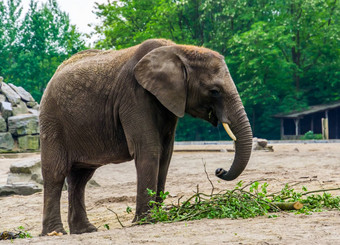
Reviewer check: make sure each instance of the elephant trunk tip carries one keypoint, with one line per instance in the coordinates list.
(223, 174)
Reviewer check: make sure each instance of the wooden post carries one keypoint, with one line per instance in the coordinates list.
(297, 130)
(326, 129)
(326, 125)
(325, 133)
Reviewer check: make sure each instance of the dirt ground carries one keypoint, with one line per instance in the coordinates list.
(316, 166)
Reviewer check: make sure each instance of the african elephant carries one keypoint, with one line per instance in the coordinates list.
(105, 107)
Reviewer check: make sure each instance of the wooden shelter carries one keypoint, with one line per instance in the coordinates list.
(320, 119)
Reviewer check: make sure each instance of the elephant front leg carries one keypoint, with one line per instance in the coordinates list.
(163, 168)
(147, 176)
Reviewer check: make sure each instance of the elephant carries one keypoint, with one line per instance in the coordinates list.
(109, 106)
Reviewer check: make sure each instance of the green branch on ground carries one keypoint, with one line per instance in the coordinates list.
(244, 201)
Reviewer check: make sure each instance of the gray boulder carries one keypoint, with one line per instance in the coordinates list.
(26, 167)
(28, 142)
(25, 96)
(262, 142)
(6, 109)
(20, 108)
(6, 142)
(3, 124)
(261, 145)
(33, 111)
(31, 104)
(19, 189)
(24, 178)
(2, 98)
(11, 95)
(23, 125)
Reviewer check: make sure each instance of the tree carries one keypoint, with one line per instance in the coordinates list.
(283, 55)
(37, 44)
(289, 61)
(129, 22)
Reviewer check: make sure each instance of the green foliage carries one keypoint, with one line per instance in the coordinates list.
(312, 203)
(311, 136)
(129, 22)
(23, 233)
(106, 226)
(238, 203)
(283, 55)
(31, 48)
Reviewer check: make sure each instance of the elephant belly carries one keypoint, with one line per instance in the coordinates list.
(96, 149)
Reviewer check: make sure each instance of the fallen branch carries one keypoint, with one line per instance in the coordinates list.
(288, 205)
(323, 190)
(116, 217)
(206, 173)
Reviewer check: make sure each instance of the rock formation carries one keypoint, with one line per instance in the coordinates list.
(261, 145)
(19, 128)
(24, 178)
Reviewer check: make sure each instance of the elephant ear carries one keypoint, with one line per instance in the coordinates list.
(163, 74)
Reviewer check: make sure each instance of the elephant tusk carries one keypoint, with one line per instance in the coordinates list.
(229, 132)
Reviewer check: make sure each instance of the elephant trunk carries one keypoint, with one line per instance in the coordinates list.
(240, 126)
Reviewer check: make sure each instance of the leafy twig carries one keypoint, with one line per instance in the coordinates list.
(316, 191)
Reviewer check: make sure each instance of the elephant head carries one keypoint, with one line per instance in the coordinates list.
(195, 80)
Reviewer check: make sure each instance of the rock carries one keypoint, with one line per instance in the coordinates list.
(26, 167)
(3, 124)
(28, 142)
(19, 109)
(6, 142)
(262, 142)
(36, 107)
(31, 104)
(6, 109)
(11, 95)
(2, 98)
(24, 178)
(25, 96)
(269, 148)
(33, 111)
(19, 189)
(23, 125)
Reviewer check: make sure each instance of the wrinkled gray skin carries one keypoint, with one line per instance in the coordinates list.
(105, 107)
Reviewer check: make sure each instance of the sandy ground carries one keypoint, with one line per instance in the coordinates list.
(316, 166)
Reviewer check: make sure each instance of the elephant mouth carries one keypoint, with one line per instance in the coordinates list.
(212, 118)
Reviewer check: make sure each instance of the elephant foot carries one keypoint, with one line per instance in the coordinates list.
(57, 228)
(83, 228)
(143, 218)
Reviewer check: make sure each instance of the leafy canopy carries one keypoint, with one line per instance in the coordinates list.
(32, 46)
(283, 55)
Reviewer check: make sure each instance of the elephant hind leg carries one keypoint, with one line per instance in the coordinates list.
(77, 216)
(51, 213)
(54, 171)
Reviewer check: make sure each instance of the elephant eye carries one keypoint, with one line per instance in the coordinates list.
(214, 92)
